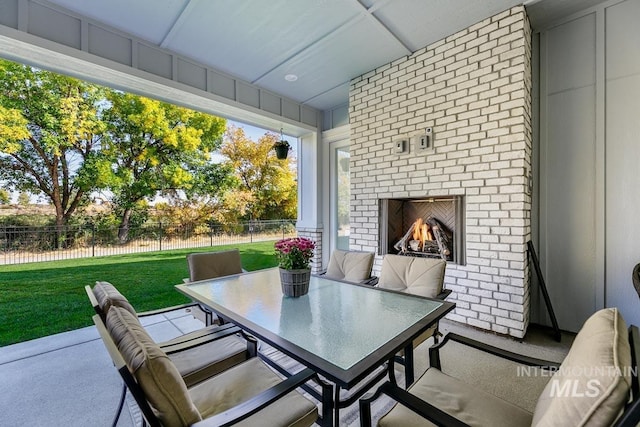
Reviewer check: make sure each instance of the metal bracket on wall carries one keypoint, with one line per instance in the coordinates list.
(543, 288)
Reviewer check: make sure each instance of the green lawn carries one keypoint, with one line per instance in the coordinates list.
(45, 298)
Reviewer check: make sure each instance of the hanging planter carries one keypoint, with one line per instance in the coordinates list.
(282, 149)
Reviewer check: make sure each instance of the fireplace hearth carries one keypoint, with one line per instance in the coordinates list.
(425, 227)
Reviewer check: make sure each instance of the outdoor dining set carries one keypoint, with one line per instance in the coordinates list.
(345, 337)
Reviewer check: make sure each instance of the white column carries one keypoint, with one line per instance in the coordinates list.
(310, 167)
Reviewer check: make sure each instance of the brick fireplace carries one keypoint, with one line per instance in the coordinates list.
(471, 92)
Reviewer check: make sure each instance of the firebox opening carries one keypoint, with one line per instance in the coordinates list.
(425, 227)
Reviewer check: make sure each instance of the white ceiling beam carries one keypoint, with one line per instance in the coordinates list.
(369, 12)
(178, 23)
(306, 101)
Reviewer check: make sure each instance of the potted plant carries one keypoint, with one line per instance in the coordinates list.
(282, 148)
(294, 255)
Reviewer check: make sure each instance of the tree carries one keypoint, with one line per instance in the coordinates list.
(24, 199)
(156, 147)
(50, 135)
(5, 197)
(266, 187)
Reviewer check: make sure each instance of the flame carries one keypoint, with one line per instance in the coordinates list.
(425, 234)
(417, 229)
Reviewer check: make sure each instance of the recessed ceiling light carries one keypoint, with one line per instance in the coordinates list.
(291, 77)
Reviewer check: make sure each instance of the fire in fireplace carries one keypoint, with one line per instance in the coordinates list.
(428, 238)
(429, 227)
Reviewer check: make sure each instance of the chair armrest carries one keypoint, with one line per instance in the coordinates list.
(444, 294)
(371, 281)
(420, 407)
(202, 332)
(246, 409)
(434, 352)
(211, 334)
(93, 300)
(166, 309)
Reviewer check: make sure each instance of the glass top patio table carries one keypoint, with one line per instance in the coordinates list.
(340, 329)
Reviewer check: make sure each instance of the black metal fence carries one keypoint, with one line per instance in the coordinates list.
(19, 244)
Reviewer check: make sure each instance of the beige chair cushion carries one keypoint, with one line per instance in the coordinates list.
(107, 296)
(196, 364)
(209, 265)
(163, 386)
(459, 399)
(351, 266)
(245, 381)
(413, 275)
(592, 384)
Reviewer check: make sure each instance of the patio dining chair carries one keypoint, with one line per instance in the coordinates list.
(197, 355)
(250, 392)
(350, 266)
(596, 385)
(209, 265)
(417, 276)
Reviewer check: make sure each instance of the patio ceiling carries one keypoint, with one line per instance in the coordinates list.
(325, 43)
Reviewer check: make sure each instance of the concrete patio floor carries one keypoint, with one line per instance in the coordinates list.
(68, 379)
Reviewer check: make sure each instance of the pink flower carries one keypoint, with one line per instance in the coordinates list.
(294, 252)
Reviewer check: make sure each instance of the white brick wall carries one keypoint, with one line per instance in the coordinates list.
(316, 236)
(474, 89)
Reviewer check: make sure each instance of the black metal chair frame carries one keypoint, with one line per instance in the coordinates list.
(404, 360)
(630, 416)
(195, 339)
(226, 418)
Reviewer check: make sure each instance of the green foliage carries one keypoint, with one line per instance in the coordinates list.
(30, 220)
(65, 138)
(155, 147)
(5, 197)
(23, 199)
(57, 288)
(266, 187)
(211, 182)
(49, 125)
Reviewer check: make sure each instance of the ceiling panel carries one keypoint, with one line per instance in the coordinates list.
(149, 20)
(419, 23)
(325, 43)
(347, 53)
(248, 38)
(327, 100)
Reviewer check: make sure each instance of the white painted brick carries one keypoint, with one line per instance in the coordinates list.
(479, 323)
(484, 294)
(456, 317)
(509, 323)
(473, 88)
(469, 314)
(499, 313)
(500, 329)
